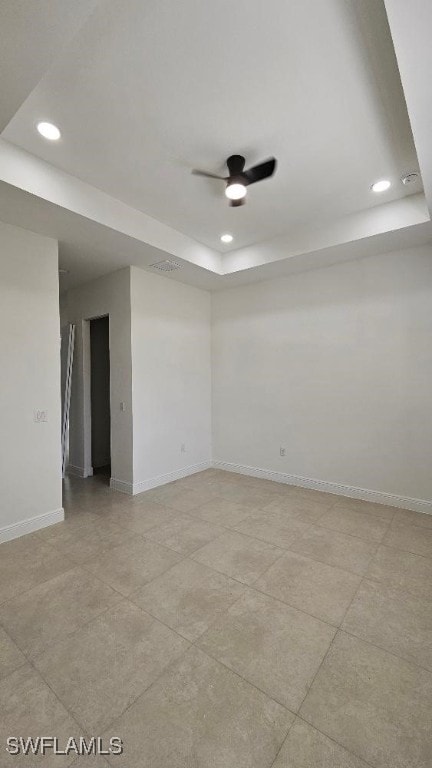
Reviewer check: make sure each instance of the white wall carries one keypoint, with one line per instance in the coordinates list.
(30, 455)
(171, 372)
(109, 295)
(335, 365)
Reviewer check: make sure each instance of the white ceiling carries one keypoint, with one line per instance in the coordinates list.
(33, 34)
(145, 91)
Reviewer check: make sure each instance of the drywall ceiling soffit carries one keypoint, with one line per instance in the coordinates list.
(323, 94)
(98, 234)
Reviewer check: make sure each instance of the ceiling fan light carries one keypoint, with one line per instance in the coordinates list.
(235, 191)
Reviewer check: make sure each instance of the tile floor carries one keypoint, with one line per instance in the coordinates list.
(221, 621)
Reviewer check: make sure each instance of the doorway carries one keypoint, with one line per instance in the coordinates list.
(100, 396)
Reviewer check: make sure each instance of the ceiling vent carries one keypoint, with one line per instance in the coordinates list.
(409, 178)
(166, 266)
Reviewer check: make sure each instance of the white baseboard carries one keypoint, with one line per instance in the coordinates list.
(377, 497)
(154, 482)
(121, 485)
(71, 469)
(15, 530)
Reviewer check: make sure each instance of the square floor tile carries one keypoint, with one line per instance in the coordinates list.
(378, 510)
(410, 538)
(238, 556)
(85, 503)
(26, 562)
(197, 481)
(29, 709)
(309, 494)
(409, 517)
(141, 517)
(223, 512)
(127, 503)
(129, 566)
(412, 573)
(221, 487)
(185, 534)
(84, 543)
(64, 531)
(277, 528)
(306, 747)
(335, 548)
(252, 496)
(362, 524)
(200, 714)
(375, 704)
(10, 655)
(394, 620)
(303, 508)
(54, 609)
(104, 502)
(183, 499)
(106, 665)
(270, 644)
(92, 761)
(316, 588)
(76, 522)
(189, 597)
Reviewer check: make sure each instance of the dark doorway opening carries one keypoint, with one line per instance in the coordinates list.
(100, 396)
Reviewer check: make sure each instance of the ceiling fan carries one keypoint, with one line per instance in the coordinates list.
(239, 179)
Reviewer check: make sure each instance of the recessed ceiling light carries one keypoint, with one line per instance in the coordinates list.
(227, 238)
(48, 131)
(381, 186)
(235, 191)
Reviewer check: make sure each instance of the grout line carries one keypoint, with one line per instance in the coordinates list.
(58, 639)
(331, 738)
(316, 523)
(408, 551)
(163, 671)
(80, 728)
(244, 679)
(332, 642)
(22, 664)
(38, 584)
(386, 650)
(283, 742)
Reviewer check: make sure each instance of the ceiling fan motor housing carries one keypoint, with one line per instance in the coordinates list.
(236, 164)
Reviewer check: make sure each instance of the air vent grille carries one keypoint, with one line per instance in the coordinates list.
(166, 266)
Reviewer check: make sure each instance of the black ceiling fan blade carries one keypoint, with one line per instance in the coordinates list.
(196, 172)
(260, 172)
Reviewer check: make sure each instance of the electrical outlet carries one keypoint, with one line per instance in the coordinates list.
(39, 416)
(183, 448)
(122, 407)
(282, 451)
